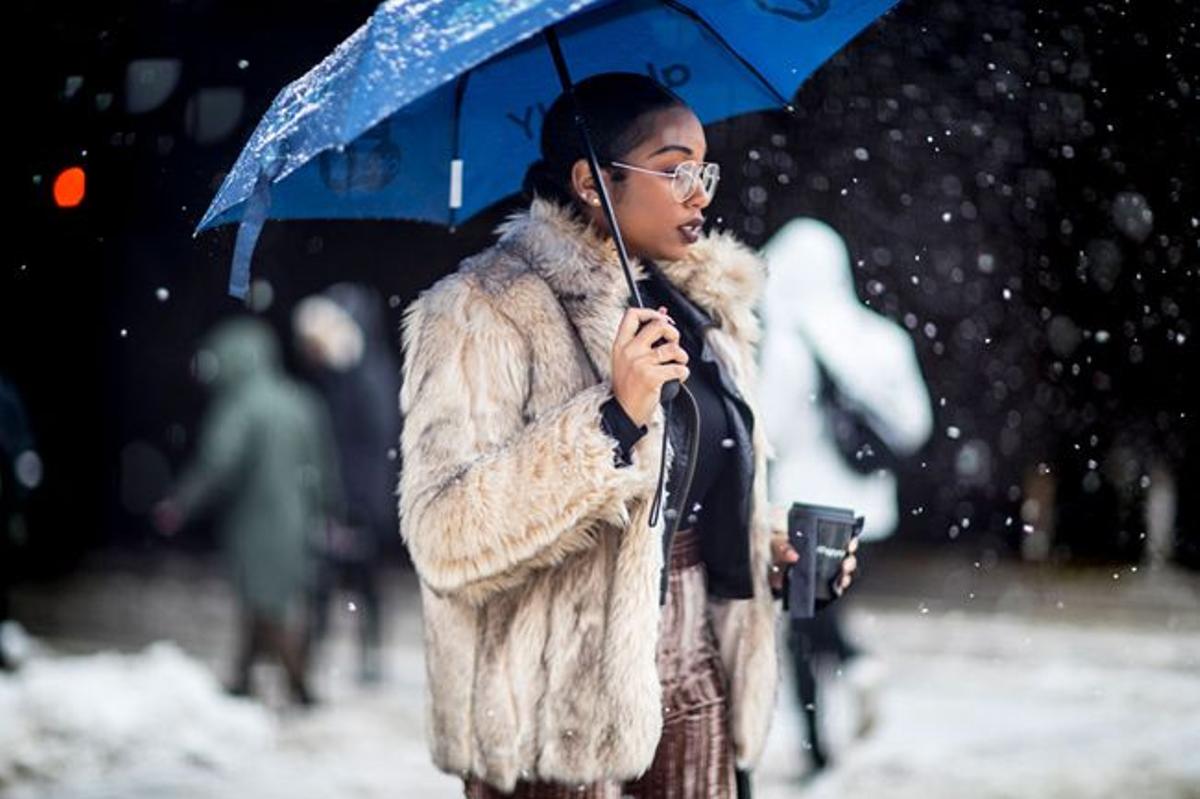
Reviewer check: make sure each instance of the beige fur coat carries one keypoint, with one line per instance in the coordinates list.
(539, 570)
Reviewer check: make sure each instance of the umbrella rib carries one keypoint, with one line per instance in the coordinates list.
(460, 89)
(702, 22)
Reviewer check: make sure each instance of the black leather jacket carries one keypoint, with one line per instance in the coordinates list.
(725, 531)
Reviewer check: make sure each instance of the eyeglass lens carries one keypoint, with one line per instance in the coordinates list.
(690, 174)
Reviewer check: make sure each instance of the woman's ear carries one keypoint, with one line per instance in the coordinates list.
(583, 185)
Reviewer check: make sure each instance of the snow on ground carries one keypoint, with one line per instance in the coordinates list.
(71, 723)
(998, 707)
(980, 704)
(158, 724)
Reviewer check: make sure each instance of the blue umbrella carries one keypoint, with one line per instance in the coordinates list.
(432, 110)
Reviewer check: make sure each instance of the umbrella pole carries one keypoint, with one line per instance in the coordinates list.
(568, 86)
(672, 388)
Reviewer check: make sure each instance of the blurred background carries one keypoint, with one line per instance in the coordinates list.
(1005, 191)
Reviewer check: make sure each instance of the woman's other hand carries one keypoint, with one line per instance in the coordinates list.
(849, 565)
(784, 555)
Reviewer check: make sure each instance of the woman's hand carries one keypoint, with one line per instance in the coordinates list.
(167, 517)
(784, 555)
(639, 369)
(849, 565)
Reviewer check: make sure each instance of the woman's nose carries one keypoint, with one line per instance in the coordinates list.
(700, 198)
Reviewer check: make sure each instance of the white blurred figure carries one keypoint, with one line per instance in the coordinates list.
(1160, 516)
(812, 315)
(813, 321)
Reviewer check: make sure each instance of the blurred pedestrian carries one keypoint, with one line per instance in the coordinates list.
(843, 399)
(20, 475)
(342, 336)
(264, 463)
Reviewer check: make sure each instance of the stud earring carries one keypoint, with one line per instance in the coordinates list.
(595, 201)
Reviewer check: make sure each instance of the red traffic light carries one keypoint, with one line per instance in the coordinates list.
(70, 187)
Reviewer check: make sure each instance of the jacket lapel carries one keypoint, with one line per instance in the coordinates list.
(582, 269)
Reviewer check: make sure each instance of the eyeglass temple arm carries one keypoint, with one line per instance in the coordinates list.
(642, 169)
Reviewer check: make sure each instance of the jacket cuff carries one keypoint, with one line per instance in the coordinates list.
(616, 423)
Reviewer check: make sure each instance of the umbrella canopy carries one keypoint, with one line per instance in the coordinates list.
(432, 110)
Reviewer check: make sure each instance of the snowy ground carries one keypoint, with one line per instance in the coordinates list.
(1028, 685)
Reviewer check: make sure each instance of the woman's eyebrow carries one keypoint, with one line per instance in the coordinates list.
(670, 147)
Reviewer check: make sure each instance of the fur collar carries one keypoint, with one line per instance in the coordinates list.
(720, 274)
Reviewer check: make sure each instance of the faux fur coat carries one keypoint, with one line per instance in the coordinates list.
(539, 569)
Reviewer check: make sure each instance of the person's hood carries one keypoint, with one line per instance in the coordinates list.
(342, 327)
(361, 304)
(237, 351)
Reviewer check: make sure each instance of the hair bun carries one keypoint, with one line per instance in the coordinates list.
(535, 177)
(542, 179)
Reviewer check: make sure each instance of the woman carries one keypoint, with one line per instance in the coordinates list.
(531, 443)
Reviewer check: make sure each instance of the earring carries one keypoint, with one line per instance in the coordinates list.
(595, 201)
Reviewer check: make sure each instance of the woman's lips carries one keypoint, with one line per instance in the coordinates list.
(691, 232)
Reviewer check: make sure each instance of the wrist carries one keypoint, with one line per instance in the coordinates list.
(631, 413)
(616, 422)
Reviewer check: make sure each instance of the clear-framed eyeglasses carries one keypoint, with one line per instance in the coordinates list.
(686, 177)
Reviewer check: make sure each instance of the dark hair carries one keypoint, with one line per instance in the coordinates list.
(615, 105)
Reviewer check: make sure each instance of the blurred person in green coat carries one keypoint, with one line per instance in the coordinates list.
(264, 465)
